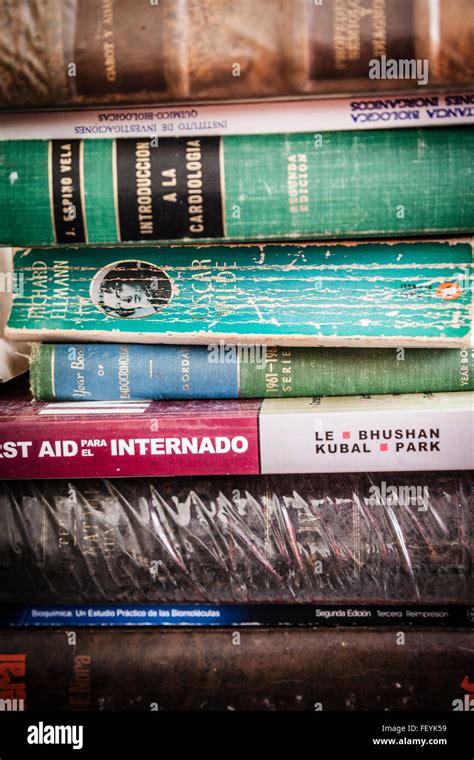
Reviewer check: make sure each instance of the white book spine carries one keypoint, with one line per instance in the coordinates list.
(268, 117)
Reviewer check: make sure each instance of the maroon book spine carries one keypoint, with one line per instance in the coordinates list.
(121, 439)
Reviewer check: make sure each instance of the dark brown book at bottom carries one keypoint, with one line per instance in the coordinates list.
(218, 669)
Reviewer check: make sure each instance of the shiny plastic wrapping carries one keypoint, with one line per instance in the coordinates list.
(342, 538)
(70, 52)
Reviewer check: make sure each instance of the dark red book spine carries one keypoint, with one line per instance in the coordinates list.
(129, 440)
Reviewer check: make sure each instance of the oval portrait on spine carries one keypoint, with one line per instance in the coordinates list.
(131, 289)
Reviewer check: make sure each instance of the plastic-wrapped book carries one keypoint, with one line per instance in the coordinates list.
(307, 539)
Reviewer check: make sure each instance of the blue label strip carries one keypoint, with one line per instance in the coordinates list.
(234, 615)
(102, 372)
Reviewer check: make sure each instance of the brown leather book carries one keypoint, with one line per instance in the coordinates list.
(184, 669)
(72, 52)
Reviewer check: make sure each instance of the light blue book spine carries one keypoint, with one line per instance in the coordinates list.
(104, 372)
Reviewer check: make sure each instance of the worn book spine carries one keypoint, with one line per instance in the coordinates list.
(237, 187)
(314, 539)
(407, 294)
(89, 51)
(13, 355)
(409, 432)
(109, 372)
(202, 670)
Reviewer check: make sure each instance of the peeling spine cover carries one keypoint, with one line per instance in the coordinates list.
(411, 294)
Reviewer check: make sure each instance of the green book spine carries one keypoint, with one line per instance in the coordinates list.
(120, 371)
(414, 294)
(258, 187)
(352, 372)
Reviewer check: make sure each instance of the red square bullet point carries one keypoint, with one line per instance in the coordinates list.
(346, 434)
(384, 447)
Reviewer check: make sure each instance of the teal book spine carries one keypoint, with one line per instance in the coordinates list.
(373, 294)
(324, 185)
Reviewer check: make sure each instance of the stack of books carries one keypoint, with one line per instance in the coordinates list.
(248, 426)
